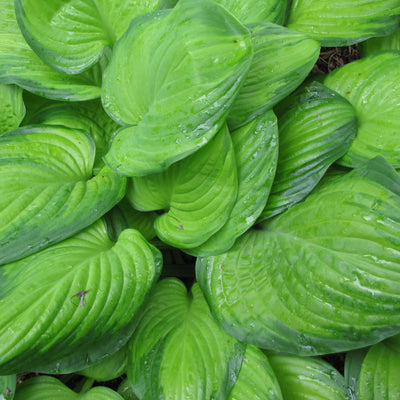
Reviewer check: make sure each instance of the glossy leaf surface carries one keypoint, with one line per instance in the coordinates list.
(302, 378)
(379, 373)
(257, 380)
(47, 187)
(377, 44)
(256, 11)
(282, 60)
(372, 85)
(178, 351)
(70, 35)
(256, 151)
(316, 127)
(197, 194)
(75, 302)
(172, 79)
(12, 107)
(20, 65)
(344, 22)
(50, 388)
(323, 276)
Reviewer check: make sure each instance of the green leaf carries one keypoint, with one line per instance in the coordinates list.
(379, 374)
(47, 188)
(71, 35)
(8, 384)
(316, 127)
(125, 389)
(256, 10)
(12, 107)
(282, 60)
(50, 388)
(344, 22)
(372, 85)
(377, 44)
(172, 79)
(256, 151)
(307, 378)
(197, 194)
(178, 351)
(88, 116)
(352, 367)
(21, 66)
(257, 380)
(319, 278)
(110, 367)
(74, 303)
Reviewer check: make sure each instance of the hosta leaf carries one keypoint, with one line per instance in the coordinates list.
(379, 373)
(256, 11)
(88, 116)
(323, 276)
(125, 389)
(302, 378)
(372, 85)
(172, 79)
(74, 303)
(282, 60)
(316, 127)
(20, 65)
(111, 367)
(344, 22)
(47, 188)
(178, 351)
(124, 216)
(352, 367)
(7, 387)
(257, 380)
(377, 44)
(71, 35)
(197, 194)
(256, 151)
(11, 106)
(50, 388)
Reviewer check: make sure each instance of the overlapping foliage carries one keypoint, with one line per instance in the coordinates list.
(136, 134)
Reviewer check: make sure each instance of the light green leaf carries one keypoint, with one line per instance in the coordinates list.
(197, 194)
(257, 380)
(178, 351)
(372, 85)
(50, 388)
(88, 116)
(376, 44)
(8, 384)
(110, 367)
(47, 188)
(316, 127)
(282, 60)
(302, 378)
(74, 303)
(379, 375)
(11, 106)
(70, 35)
(319, 278)
(257, 10)
(21, 66)
(344, 22)
(172, 79)
(256, 152)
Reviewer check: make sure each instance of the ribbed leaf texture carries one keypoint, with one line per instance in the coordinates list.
(12, 107)
(320, 278)
(74, 303)
(173, 77)
(47, 188)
